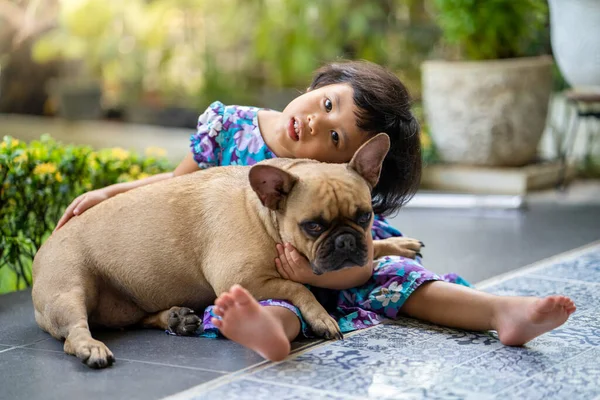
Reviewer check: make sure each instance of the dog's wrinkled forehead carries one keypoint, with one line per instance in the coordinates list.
(336, 190)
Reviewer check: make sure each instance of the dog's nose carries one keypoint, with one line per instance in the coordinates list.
(345, 241)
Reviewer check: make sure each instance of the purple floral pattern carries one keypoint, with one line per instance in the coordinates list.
(228, 135)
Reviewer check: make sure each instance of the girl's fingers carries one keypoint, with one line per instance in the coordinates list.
(279, 249)
(68, 213)
(293, 253)
(288, 255)
(81, 207)
(281, 269)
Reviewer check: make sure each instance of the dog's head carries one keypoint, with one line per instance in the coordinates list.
(324, 210)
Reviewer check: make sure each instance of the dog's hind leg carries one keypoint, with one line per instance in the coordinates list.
(65, 317)
(179, 320)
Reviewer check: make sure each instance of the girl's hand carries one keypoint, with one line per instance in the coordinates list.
(292, 265)
(80, 204)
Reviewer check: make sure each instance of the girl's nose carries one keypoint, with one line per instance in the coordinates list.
(312, 124)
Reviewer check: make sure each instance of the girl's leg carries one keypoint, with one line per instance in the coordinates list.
(268, 330)
(516, 319)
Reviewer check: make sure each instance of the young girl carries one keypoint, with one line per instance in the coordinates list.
(345, 105)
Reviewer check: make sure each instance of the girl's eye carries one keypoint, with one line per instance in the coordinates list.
(328, 105)
(335, 137)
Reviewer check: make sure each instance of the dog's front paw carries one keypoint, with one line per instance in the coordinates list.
(91, 352)
(398, 246)
(182, 321)
(326, 327)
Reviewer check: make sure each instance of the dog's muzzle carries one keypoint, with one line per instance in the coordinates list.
(345, 247)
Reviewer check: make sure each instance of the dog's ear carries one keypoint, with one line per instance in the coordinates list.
(368, 159)
(271, 184)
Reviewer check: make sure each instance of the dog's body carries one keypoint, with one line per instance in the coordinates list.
(142, 252)
(142, 256)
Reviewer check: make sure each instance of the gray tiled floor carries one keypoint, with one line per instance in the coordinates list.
(151, 364)
(479, 245)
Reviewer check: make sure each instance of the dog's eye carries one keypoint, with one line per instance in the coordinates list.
(313, 228)
(364, 218)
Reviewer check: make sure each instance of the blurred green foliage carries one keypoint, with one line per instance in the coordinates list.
(37, 182)
(192, 52)
(492, 29)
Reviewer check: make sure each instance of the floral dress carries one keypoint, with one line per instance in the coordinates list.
(229, 135)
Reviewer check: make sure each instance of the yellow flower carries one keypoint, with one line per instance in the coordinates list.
(21, 158)
(58, 177)
(14, 143)
(155, 152)
(143, 175)
(134, 170)
(45, 168)
(119, 153)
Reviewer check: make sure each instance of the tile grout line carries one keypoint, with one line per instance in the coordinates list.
(306, 388)
(248, 371)
(547, 369)
(527, 269)
(22, 346)
(173, 366)
(130, 360)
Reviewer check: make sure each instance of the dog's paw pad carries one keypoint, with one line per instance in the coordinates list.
(182, 321)
(328, 328)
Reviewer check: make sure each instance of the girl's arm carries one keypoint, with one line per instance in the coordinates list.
(294, 266)
(90, 199)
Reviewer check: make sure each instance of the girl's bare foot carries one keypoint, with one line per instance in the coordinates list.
(521, 319)
(246, 322)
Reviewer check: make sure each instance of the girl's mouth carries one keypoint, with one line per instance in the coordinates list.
(294, 129)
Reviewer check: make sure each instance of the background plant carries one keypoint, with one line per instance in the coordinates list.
(492, 29)
(191, 52)
(39, 180)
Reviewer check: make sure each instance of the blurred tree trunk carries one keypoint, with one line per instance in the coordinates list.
(22, 81)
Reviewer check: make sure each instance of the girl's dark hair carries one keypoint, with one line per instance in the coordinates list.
(383, 104)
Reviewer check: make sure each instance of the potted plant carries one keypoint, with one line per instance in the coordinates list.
(488, 104)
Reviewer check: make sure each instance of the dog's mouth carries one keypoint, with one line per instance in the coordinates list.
(320, 267)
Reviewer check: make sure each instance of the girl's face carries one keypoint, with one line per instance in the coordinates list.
(321, 125)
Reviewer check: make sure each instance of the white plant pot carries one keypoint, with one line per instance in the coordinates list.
(575, 37)
(490, 113)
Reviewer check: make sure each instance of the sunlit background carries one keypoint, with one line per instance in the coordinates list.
(137, 54)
